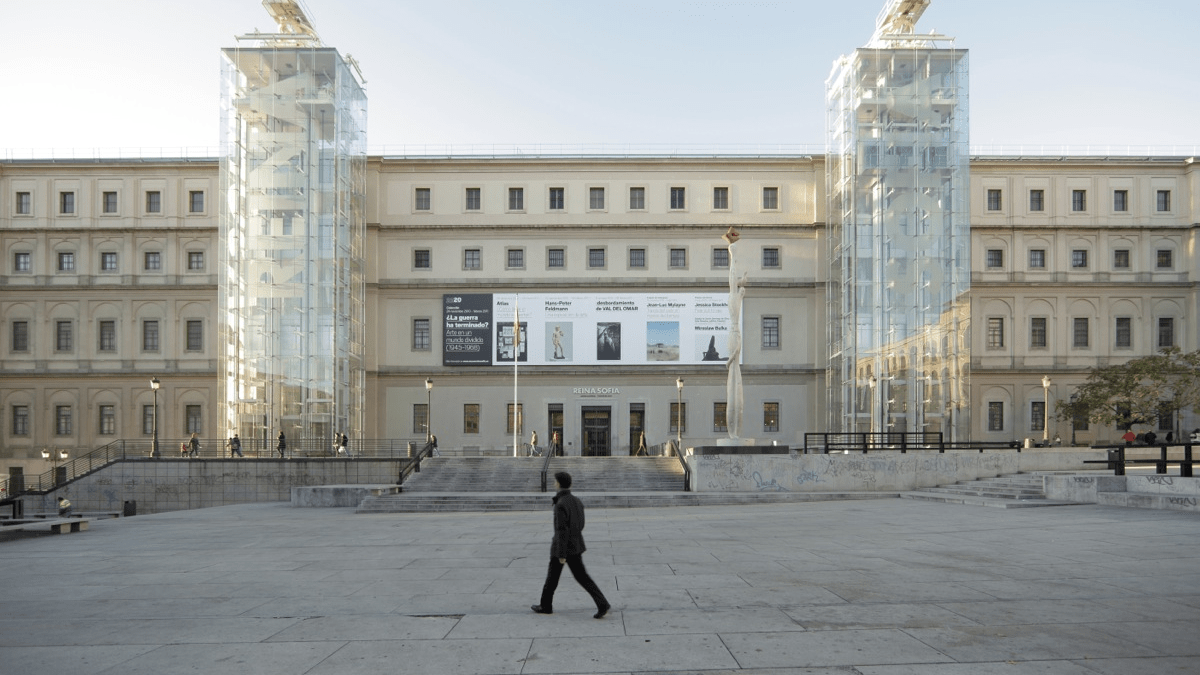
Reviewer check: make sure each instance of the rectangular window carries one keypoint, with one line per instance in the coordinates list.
(1079, 258)
(1079, 200)
(147, 420)
(516, 258)
(637, 258)
(24, 203)
(63, 423)
(422, 259)
(556, 258)
(719, 422)
(720, 258)
(422, 199)
(678, 418)
(637, 199)
(1163, 259)
(108, 202)
(770, 259)
(1166, 421)
(473, 199)
(1037, 200)
(558, 199)
(193, 422)
(993, 200)
(470, 418)
(1166, 332)
(108, 261)
(1121, 259)
(595, 258)
(1123, 334)
(20, 420)
(678, 198)
(1037, 332)
(721, 198)
(108, 336)
(64, 336)
(1163, 201)
(472, 259)
(66, 203)
(995, 415)
(22, 262)
(66, 261)
(1080, 335)
(152, 261)
(596, 198)
(422, 335)
(516, 199)
(108, 420)
(1120, 201)
(771, 416)
(995, 258)
(195, 335)
(770, 332)
(1037, 258)
(196, 260)
(196, 201)
(1037, 415)
(995, 333)
(420, 419)
(770, 198)
(150, 335)
(517, 421)
(153, 201)
(678, 258)
(20, 336)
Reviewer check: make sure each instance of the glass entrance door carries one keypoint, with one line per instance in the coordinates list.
(597, 423)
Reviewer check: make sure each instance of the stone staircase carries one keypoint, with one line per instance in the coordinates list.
(1013, 491)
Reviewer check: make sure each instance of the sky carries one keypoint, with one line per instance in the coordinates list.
(90, 75)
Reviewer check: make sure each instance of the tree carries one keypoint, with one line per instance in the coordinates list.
(1137, 391)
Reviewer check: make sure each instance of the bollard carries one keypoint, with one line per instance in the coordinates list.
(1161, 465)
(1185, 467)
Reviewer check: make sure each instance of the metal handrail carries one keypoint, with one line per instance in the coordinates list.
(1117, 461)
(687, 470)
(414, 465)
(546, 466)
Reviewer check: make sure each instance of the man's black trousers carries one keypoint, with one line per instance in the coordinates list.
(575, 562)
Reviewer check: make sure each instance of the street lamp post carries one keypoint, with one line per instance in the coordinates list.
(1045, 411)
(428, 409)
(679, 417)
(59, 455)
(1074, 415)
(154, 385)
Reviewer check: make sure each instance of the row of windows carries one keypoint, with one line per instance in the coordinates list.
(106, 336)
(597, 199)
(106, 418)
(678, 422)
(109, 261)
(1081, 337)
(1164, 258)
(423, 334)
(1079, 200)
(1037, 418)
(109, 202)
(597, 258)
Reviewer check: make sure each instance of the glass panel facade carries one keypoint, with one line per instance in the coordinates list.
(897, 182)
(291, 319)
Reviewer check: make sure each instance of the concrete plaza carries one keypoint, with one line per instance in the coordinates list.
(880, 587)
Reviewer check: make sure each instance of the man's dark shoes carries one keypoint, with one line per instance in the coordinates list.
(602, 611)
(541, 610)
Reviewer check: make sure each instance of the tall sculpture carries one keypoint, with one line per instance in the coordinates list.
(733, 383)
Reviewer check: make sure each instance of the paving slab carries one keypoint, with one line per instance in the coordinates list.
(885, 587)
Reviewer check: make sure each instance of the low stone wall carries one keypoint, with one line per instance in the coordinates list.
(891, 471)
(1153, 491)
(178, 484)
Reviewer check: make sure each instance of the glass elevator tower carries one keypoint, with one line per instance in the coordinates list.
(897, 180)
(293, 183)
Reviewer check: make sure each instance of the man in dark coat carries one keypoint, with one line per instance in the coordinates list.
(567, 549)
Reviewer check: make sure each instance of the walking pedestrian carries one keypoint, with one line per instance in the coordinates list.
(235, 447)
(566, 548)
(281, 445)
(194, 445)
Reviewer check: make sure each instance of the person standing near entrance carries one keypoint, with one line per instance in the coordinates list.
(566, 548)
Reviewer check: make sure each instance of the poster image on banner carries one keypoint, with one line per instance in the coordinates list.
(586, 329)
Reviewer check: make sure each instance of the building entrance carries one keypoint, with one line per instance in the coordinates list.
(597, 426)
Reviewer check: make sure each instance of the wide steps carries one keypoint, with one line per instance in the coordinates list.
(433, 503)
(1005, 492)
(523, 474)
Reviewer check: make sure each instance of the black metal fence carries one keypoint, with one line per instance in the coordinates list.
(893, 441)
(1118, 458)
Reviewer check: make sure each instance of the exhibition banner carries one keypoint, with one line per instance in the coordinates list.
(585, 329)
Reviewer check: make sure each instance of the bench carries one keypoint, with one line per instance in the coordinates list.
(56, 525)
